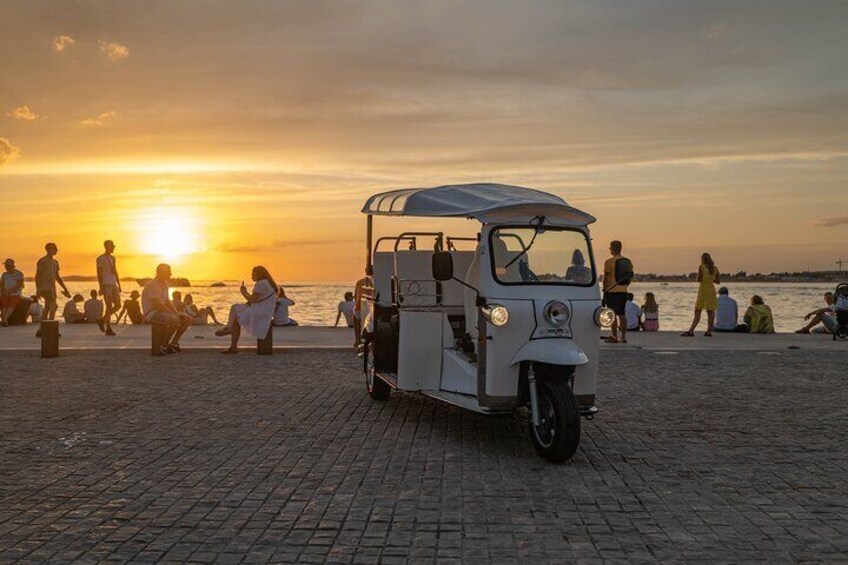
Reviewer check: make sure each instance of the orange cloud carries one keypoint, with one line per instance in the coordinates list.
(22, 113)
(114, 51)
(8, 152)
(101, 120)
(62, 42)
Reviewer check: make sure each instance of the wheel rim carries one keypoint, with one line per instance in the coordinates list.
(545, 432)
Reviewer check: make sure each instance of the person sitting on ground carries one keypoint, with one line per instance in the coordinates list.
(346, 309)
(177, 299)
(727, 312)
(71, 313)
(20, 313)
(93, 309)
(578, 272)
(758, 317)
(257, 314)
(281, 312)
(632, 313)
(825, 316)
(35, 309)
(158, 309)
(132, 310)
(199, 316)
(11, 290)
(651, 313)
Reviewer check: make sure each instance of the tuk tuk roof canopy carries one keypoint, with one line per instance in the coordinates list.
(486, 202)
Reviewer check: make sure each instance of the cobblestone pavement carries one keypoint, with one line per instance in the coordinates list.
(712, 456)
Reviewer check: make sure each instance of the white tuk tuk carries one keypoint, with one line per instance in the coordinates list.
(511, 320)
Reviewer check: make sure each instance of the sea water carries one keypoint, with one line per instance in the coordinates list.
(316, 303)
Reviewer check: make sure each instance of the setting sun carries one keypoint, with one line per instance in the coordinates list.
(169, 233)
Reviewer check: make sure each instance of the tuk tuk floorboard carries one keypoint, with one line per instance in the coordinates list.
(696, 456)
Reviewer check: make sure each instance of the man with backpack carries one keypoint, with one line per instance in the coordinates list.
(618, 274)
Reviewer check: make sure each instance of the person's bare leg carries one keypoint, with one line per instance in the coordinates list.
(814, 321)
(710, 321)
(212, 315)
(182, 326)
(695, 321)
(622, 323)
(234, 337)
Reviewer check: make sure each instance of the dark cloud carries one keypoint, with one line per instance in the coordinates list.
(832, 222)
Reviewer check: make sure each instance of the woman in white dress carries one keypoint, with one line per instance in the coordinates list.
(256, 315)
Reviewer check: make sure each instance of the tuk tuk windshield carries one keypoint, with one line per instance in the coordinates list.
(541, 256)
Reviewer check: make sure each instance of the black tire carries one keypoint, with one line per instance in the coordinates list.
(377, 388)
(558, 437)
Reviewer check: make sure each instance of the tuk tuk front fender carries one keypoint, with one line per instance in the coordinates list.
(551, 351)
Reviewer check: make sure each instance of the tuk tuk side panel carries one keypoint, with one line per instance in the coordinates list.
(502, 345)
(586, 335)
(420, 350)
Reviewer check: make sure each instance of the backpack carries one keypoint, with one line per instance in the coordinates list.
(623, 271)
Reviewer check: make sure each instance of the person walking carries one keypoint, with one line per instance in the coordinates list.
(11, 290)
(46, 277)
(708, 278)
(110, 286)
(618, 274)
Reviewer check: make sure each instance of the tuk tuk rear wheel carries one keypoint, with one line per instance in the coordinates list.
(377, 388)
(558, 436)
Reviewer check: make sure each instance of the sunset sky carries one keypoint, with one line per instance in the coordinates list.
(219, 135)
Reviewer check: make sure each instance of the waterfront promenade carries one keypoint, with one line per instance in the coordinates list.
(696, 455)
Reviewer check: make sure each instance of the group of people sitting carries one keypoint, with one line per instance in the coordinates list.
(758, 318)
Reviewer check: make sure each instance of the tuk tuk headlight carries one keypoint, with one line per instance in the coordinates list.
(496, 314)
(604, 317)
(556, 313)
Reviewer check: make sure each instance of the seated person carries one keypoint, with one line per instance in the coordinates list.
(578, 272)
(651, 312)
(132, 309)
(19, 315)
(177, 300)
(825, 316)
(758, 317)
(281, 311)
(727, 313)
(346, 309)
(199, 316)
(35, 309)
(71, 313)
(632, 313)
(93, 309)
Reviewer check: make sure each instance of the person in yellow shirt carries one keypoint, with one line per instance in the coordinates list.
(618, 274)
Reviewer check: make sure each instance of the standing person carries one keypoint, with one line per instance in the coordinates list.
(11, 290)
(46, 277)
(727, 312)
(158, 309)
(93, 309)
(281, 310)
(633, 314)
(618, 274)
(110, 286)
(256, 316)
(362, 293)
(651, 311)
(345, 309)
(708, 277)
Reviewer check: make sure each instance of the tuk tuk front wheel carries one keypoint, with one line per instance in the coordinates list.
(558, 435)
(378, 389)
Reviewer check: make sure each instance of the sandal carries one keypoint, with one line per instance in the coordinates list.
(708, 334)
(229, 351)
(612, 339)
(687, 334)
